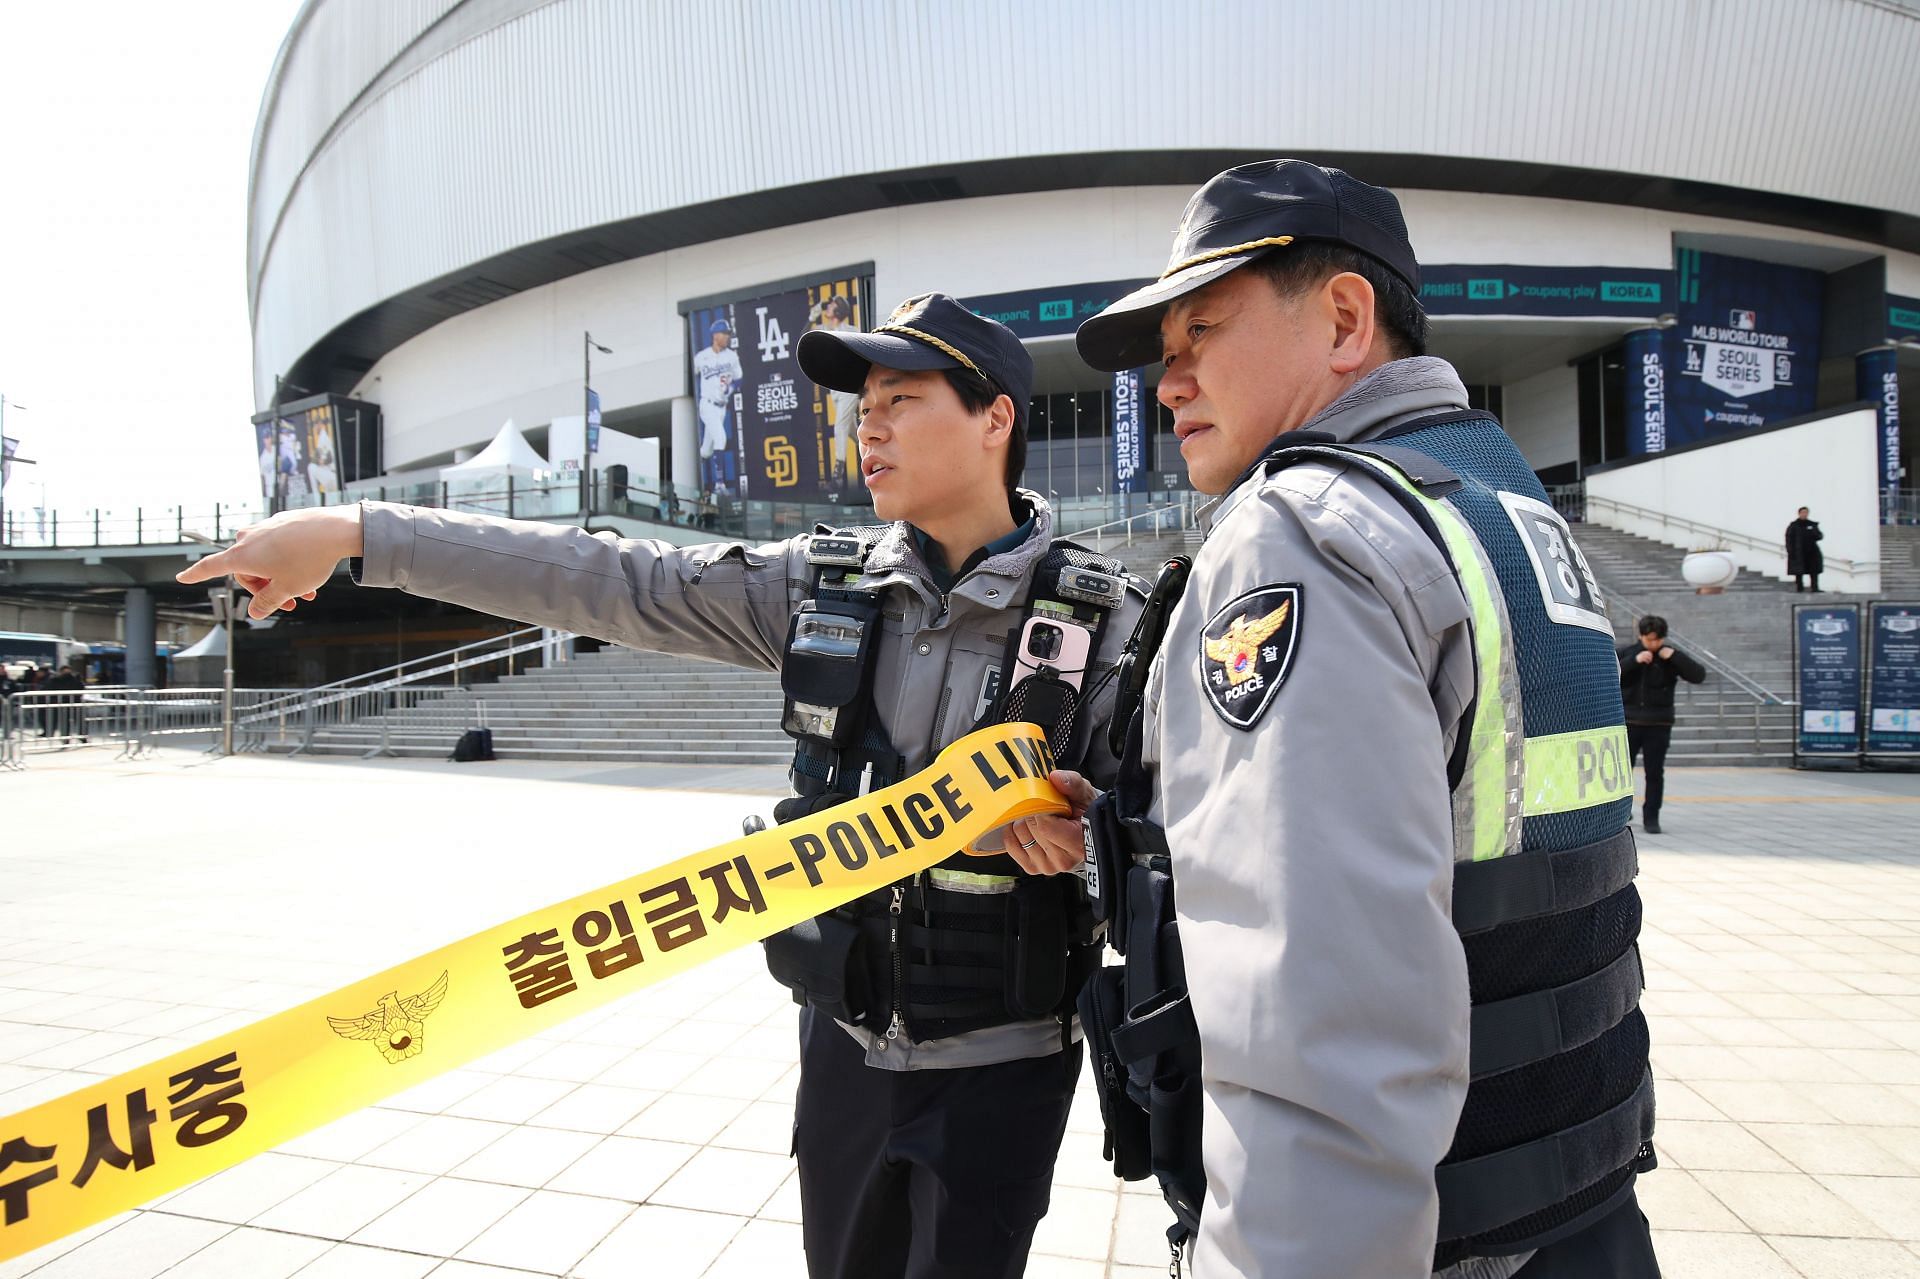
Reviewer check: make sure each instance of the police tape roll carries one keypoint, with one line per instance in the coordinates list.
(114, 1145)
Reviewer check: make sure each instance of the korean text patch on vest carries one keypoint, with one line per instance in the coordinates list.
(1246, 650)
(1567, 587)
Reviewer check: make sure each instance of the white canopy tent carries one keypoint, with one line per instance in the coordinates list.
(507, 453)
(480, 483)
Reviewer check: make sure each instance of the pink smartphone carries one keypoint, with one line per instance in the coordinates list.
(1051, 642)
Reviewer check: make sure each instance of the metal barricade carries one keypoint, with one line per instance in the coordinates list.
(41, 722)
(135, 721)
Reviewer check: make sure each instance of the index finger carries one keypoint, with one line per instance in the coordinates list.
(214, 565)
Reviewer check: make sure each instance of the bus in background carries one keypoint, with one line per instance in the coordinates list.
(21, 649)
(107, 664)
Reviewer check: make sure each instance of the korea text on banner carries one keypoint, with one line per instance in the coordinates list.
(114, 1145)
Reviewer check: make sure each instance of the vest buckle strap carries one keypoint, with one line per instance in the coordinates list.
(1485, 1193)
(1502, 890)
(1164, 1024)
(1511, 1033)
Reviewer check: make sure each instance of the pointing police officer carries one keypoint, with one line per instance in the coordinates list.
(938, 1045)
(1367, 753)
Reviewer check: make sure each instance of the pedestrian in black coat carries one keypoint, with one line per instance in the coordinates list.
(1803, 550)
(1649, 671)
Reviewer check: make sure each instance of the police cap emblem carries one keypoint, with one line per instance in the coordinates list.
(1246, 650)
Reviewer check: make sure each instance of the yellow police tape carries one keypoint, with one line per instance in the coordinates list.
(69, 1163)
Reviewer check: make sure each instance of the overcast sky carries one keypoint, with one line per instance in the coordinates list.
(124, 134)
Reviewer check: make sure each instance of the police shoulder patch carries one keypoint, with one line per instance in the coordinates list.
(1246, 650)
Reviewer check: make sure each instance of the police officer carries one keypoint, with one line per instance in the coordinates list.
(938, 1048)
(1382, 753)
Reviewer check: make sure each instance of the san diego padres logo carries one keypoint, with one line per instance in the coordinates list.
(783, 462)
(395, 1025)
(1246, 650)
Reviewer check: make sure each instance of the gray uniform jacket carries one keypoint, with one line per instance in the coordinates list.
(729, 602)
(1313, 860)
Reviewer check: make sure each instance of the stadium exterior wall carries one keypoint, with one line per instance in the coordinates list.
(401, 142)
(454, 384)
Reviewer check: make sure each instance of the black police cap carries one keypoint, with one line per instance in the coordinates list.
(1236, 217)
(931, 331)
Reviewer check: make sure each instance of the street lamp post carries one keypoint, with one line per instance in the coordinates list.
(222, 599)
(587, 348)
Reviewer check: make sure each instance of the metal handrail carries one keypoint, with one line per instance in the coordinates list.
(305, 700)
(1726, 537)
(1157, 514)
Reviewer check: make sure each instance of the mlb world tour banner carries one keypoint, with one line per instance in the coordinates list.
(119, 1143)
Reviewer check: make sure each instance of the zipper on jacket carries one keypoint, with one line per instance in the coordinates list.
(899, 966)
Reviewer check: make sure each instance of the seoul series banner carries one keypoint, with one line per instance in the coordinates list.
(1129, 433)
(765, 432)
(1876, 379)
(1746, 351)
(1827, 678)
(1646, 372)
(1893, 680)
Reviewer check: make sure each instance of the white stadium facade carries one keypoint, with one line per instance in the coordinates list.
(1646, 226)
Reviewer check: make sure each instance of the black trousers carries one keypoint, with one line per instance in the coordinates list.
(1654, 740)
(1617, 1246)
(923, 1174)
(1798, 576)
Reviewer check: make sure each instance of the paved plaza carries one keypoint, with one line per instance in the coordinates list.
(145, 906)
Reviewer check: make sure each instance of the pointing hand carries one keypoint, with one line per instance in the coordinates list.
(286, 559)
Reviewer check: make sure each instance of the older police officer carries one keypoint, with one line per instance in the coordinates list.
(1382, 752)
(938, 1048)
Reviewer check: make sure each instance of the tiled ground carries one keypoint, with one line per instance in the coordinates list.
(143, 906)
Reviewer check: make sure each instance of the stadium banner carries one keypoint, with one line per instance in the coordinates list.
(1129, 433)
(300, 449)
(1646, 375)
(1055, 311)
(1876, 379)
(1903, 316)
(765, 432)
(1893, 679)
(1746, 350)
(1827, 680)
(1558, 291)
(119, 1142)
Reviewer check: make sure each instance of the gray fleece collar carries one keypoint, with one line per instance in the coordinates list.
(1396, 392)
(1393, 393)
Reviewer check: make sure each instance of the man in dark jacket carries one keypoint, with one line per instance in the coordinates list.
(1803, 550)
(66, 716)
(1648, 672)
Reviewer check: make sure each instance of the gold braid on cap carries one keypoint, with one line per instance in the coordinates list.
(1271, 242)
(935, 343)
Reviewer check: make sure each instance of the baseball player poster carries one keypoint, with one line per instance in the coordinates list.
(764, 430)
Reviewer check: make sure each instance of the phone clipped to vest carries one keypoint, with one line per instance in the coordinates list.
(1052, 641)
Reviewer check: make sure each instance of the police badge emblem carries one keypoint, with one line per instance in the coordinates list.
(1246, 650)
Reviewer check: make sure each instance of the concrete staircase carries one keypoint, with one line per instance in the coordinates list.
(1900, 562)
(617, 704)
(1748, 628)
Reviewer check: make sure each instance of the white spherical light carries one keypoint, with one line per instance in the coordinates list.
(1709, 569)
